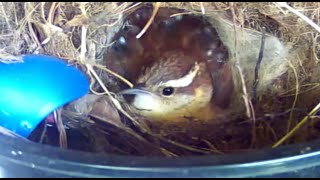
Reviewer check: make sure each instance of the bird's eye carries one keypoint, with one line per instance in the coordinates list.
(167, 91)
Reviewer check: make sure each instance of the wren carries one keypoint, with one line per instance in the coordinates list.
(175, 87)
(179, 67)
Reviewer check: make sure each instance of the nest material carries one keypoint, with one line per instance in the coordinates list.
(289, 72)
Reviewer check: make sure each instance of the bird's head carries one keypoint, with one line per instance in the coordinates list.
(175, 86)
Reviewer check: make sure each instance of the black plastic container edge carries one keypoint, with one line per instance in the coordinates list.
(21, 158)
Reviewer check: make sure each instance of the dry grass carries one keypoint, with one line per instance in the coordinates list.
(81, 32)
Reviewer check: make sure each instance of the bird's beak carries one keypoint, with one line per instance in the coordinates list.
(134, 91)
(129, 95)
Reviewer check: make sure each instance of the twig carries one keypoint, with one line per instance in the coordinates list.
(92, 71)
(51, 12)
(62, 132)
(181, 145)
(114, 74)
(286, 94)
(296, 95)
(303, 121)
(314, 46)
(128, 8)
(42, 12)
(202, 8)
(253, 131)
(245, 95)
(184, 13)
(15, 15)
(28, 21)
(294, 11)
(256, 70)
(246, 98)
(83, 45)
(27, 16)
(273, 115)
(271, 129)
(168, 153)
(114, 101)
(212, 147)
(33, 35)
(43, 132)
(106, 25)
(156, 7)
(5, 16)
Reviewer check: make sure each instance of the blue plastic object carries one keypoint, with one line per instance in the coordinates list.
(32, 89)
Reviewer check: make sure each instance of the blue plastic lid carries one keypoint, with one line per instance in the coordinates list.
(32, 89)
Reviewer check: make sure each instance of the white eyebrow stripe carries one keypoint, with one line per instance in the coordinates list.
(185, 80)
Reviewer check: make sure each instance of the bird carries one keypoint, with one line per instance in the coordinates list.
(175, 88)
(179, 68)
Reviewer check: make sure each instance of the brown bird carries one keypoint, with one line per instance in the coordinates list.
(179, 67)
(177, 87)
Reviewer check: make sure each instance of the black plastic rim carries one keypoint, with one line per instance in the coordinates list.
(21, 158)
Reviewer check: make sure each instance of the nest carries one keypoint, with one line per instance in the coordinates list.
(282, 109)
